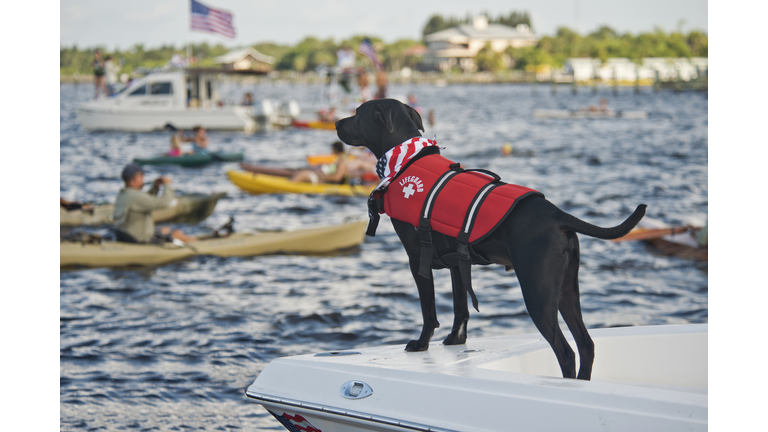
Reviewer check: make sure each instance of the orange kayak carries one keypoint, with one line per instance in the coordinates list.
(315, 125)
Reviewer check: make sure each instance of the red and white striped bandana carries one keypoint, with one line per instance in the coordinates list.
(393, 160)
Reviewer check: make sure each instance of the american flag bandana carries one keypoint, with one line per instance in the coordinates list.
(390, 164)
(387, 168)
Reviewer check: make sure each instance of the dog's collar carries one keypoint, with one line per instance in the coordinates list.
(390, 164)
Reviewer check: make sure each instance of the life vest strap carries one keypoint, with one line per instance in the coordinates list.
(375, 206)
(425, 231)
(462, 241)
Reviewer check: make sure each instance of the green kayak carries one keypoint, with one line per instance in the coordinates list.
(191, 208)
(191, 160)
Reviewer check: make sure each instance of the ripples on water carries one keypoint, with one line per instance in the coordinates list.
(173, 347)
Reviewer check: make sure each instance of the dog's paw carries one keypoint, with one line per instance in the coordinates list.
(453, 339)
(416, 346)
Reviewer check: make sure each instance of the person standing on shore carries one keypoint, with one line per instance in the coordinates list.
(362, 83)
(381, 82)
(98, 74)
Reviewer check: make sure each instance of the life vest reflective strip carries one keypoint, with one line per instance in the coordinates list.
(467, 204)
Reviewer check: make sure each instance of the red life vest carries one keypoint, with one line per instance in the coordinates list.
(451, 213)
(433, 193)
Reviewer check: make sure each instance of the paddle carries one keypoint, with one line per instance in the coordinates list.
(650, 234)
(229, 227)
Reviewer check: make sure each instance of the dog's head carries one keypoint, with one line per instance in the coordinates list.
(380, 125)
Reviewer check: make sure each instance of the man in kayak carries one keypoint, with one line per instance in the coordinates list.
(133, 210)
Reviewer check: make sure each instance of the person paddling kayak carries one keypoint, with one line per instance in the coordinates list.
(199, 140)
(341, 170)
(133, 210)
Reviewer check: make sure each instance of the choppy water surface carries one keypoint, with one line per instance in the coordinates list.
(173, 347)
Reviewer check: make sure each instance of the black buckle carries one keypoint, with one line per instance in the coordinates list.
(463, 250)
(379, 203)
(425, 236)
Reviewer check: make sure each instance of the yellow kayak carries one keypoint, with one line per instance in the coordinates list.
(118, 254)
(267, 184)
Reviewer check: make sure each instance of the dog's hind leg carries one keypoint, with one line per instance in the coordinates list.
(570, 309)
(541, 284)
(458, 334)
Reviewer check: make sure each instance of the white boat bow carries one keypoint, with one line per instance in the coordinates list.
(644, 379)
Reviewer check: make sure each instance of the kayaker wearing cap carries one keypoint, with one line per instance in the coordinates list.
(133, 210)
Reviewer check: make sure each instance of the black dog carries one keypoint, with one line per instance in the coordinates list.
(537, 238)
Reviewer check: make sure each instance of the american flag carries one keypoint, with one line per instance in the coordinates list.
(295, 423)
(367, 50)
(392, 161)
(211, 20)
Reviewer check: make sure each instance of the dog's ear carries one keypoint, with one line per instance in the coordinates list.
(415, 116)
(383, 116)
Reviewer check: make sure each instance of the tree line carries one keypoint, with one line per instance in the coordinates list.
(438, 22)
(311, 52)
(602, 44)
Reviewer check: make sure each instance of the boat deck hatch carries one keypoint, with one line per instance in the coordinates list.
(355, 390)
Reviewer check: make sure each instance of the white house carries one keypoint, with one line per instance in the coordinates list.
(246, 59)
(624, 69)
(459, 45)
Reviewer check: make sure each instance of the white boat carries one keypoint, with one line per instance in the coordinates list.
(556, 113)
(182, 99)
(648, 378)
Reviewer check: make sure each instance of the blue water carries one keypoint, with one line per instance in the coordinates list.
(173, 347)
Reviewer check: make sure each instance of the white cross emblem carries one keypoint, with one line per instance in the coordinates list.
(408, 190)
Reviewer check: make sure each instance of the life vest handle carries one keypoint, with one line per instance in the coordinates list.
(496, 177)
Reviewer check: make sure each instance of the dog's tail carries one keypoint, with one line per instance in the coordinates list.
(572, 223)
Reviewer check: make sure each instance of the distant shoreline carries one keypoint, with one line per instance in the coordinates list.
(432, 78)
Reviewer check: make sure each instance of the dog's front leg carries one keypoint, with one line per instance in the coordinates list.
(410, 240)
(428, 311)
(458, 334)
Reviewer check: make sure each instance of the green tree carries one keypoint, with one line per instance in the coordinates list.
(513, 19)
(437, 22)
(307, 55)
(530, 56)
(393, 54)
(272, 49)
(489, 60)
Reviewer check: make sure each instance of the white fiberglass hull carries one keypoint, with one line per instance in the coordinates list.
(644, 379)
(95, 116)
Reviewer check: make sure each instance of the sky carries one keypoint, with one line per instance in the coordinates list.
(120, 25)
